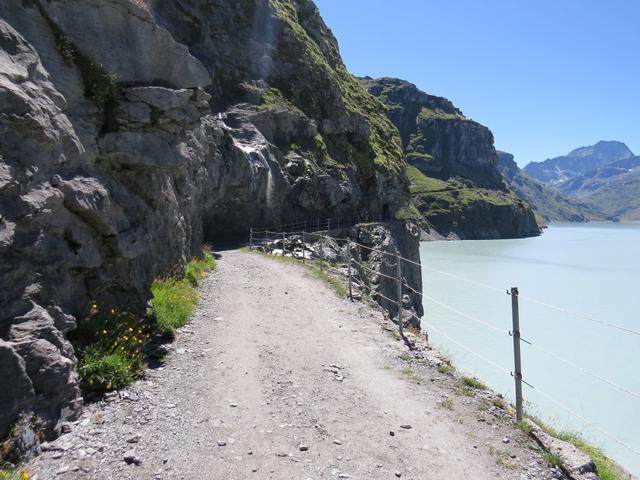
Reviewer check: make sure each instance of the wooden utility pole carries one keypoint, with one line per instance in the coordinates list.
(517, 374)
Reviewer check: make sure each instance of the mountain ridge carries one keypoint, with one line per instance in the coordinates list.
(454, 180)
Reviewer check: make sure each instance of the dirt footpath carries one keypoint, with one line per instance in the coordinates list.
(279, 378)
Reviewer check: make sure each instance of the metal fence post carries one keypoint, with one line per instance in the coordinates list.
(349, 268)
(283, 247)
(266, 241)
(517, 374)
(304, 246)
(399, 292)
(328, 224)
(250, 238)
(321, 253)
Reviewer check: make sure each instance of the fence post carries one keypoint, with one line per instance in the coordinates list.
(517, 374)
(318, 228)
(321, 253)
(250, 238)
(399, 291)
(304, 246)
(283, 247)
(328, 224)
(349, 268)
(266, 241)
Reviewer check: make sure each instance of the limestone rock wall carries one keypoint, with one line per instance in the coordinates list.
(132, 131)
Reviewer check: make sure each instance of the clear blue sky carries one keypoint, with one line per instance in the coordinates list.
(546, 76)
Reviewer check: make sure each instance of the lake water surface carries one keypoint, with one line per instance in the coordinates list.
(592, 272)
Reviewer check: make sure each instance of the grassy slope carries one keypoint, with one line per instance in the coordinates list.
(433, 196)
(320, 62)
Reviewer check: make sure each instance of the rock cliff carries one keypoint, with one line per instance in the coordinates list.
(455, 183)
(134, 130)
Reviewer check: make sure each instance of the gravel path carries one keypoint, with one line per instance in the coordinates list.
(278, 378)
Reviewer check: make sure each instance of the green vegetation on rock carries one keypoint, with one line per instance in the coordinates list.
(316, 55)
(454, 183)
(100, 85)
(110, 342)
(607, 469)
(174, 299)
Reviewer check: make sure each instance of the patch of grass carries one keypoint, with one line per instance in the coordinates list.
(109, 344)
(607, 468)
(196, 268)
(552, 459)
(420, 183)
(333, 282)
(472, 382)
(483, 407)
(446, 369)
(103, 373)
(447, 404)
(464, 390)
(405, 357)
(524, 426)
(173, 302)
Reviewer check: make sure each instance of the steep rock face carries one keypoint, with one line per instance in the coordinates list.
(396, 239)
(436, 136)
(578, 162)
(550, 204)
(132, 130)
(455, 183)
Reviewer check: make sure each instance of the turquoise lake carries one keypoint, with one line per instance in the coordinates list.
(579, 291)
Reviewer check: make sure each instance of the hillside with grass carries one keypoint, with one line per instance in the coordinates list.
(452, 166)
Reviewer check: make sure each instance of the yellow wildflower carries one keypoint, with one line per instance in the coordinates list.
(130, 329)
(104, 332)
(24, 476)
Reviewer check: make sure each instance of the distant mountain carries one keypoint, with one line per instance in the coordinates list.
(549, 204)
(578, 162)
(614, 189)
